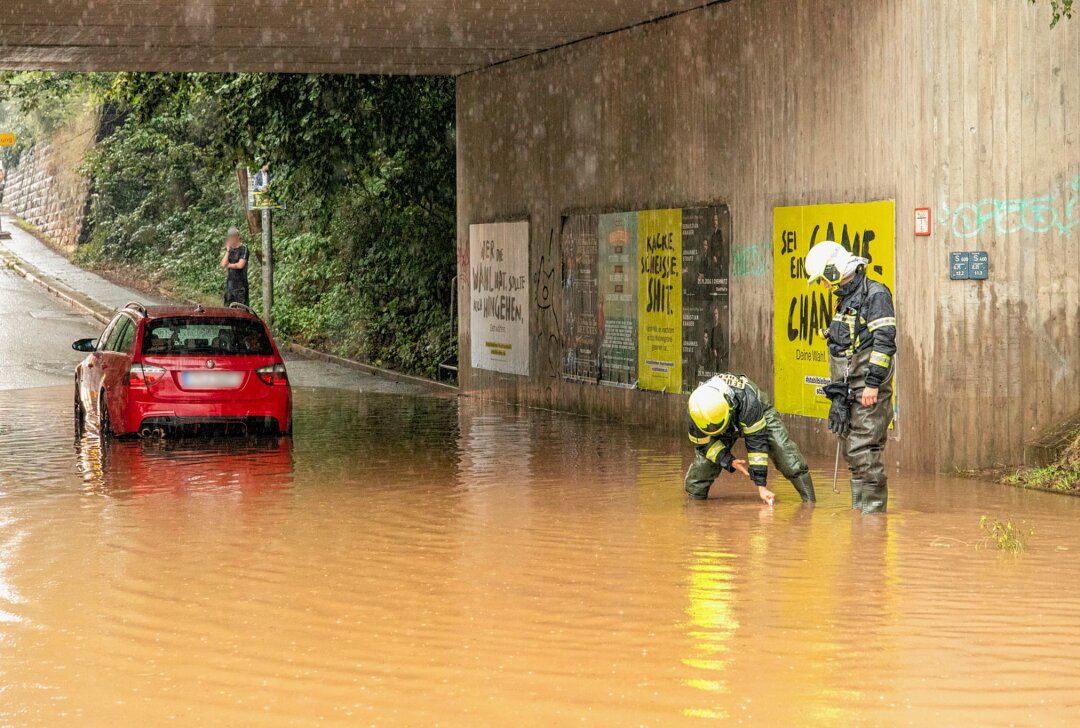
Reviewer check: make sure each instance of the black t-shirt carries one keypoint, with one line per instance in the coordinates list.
(237, 279)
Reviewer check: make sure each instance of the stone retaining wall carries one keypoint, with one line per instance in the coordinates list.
(47, 188)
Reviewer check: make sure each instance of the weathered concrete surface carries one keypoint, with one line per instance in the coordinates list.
(967, 107)
(317, 36)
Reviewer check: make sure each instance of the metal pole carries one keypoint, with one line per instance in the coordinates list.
(268, 268)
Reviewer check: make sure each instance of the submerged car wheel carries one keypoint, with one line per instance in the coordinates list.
(80, 414)
(104, 422)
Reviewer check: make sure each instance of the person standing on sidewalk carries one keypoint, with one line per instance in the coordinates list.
(235, 261)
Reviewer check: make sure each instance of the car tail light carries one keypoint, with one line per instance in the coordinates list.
(274, 375)
(143, 375)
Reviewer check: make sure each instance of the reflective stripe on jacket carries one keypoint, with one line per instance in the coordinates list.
(747, 420)
(865, 319)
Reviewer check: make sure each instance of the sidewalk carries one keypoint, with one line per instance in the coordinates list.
(59, 269)
(100, 298)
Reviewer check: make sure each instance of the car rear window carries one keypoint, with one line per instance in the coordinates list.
(205, 336)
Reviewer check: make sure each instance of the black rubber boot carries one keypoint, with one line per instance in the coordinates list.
(804, 486)
(856, 494)
(875, 497)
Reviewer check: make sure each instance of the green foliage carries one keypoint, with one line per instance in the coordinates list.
(1004, 535)
(1062, 476)
(36, 105)
(161, 205)
(365, 166)
(1060, 9)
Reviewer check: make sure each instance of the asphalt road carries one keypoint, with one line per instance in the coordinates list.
(36, 332)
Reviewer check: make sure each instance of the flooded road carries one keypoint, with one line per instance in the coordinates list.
(422, 561)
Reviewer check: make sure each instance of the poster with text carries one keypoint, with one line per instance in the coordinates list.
(659, 258)
(617, 316)
(706, 236)
(801, 358)
(581, 357)
(499, 280)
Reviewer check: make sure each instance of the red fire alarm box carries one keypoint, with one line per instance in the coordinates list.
(922, 222)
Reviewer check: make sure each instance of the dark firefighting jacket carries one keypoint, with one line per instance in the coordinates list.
(864, 319)
(747, 420)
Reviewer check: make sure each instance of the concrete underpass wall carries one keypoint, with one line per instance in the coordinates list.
(968, 107)
(47, 188)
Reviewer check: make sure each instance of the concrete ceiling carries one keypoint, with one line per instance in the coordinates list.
(446, 37)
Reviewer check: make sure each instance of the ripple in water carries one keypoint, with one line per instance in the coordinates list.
(412, 561)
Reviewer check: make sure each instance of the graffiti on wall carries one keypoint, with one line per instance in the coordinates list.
(801, 312)
(1058, 211)
(548, 333)
(647, 297)
(749, 261)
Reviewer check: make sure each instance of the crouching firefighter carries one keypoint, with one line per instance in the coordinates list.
(862, 342)
(730, 406)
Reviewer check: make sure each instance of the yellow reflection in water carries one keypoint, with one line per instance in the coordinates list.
(712, 625)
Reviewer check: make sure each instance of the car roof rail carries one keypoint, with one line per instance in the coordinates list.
(242, 307)
(136, 306)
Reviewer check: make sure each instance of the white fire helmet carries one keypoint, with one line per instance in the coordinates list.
(828, 261)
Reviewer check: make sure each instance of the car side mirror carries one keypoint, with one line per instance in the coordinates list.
(86, 345)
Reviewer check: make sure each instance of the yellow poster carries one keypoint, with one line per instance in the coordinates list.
(801, 363)
(659, 257)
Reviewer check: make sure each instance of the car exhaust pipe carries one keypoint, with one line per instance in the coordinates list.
(145, 433)
(159, 433)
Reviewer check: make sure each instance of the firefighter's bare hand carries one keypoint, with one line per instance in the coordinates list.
(869, 396)
(740, 466)
(766, 495)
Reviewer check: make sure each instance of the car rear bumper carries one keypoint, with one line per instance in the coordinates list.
(144, 411)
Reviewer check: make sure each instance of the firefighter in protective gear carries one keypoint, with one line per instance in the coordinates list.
(862, 343)
(730, 406)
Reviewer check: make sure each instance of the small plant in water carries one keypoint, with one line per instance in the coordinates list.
(1004, 535)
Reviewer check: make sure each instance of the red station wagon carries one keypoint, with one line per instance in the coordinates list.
(157, 369)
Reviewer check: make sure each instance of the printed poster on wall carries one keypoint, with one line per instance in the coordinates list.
(660, 300)
(801, 312)
(706, 235)
(580, 256)
(618, 325)
(499, 280)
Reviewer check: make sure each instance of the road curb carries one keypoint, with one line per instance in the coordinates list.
(72, 298)
(373, 370)
(102, 314)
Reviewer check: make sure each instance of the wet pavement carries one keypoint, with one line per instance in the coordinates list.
(430, 560)
(29, 249)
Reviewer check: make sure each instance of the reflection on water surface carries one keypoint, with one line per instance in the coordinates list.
(411, 561)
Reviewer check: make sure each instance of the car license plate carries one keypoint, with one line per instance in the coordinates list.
(211, 380)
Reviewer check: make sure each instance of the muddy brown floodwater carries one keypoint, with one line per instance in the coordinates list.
(422, 561)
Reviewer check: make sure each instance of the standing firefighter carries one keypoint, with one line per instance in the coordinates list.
(862, 342)
(730, 406)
